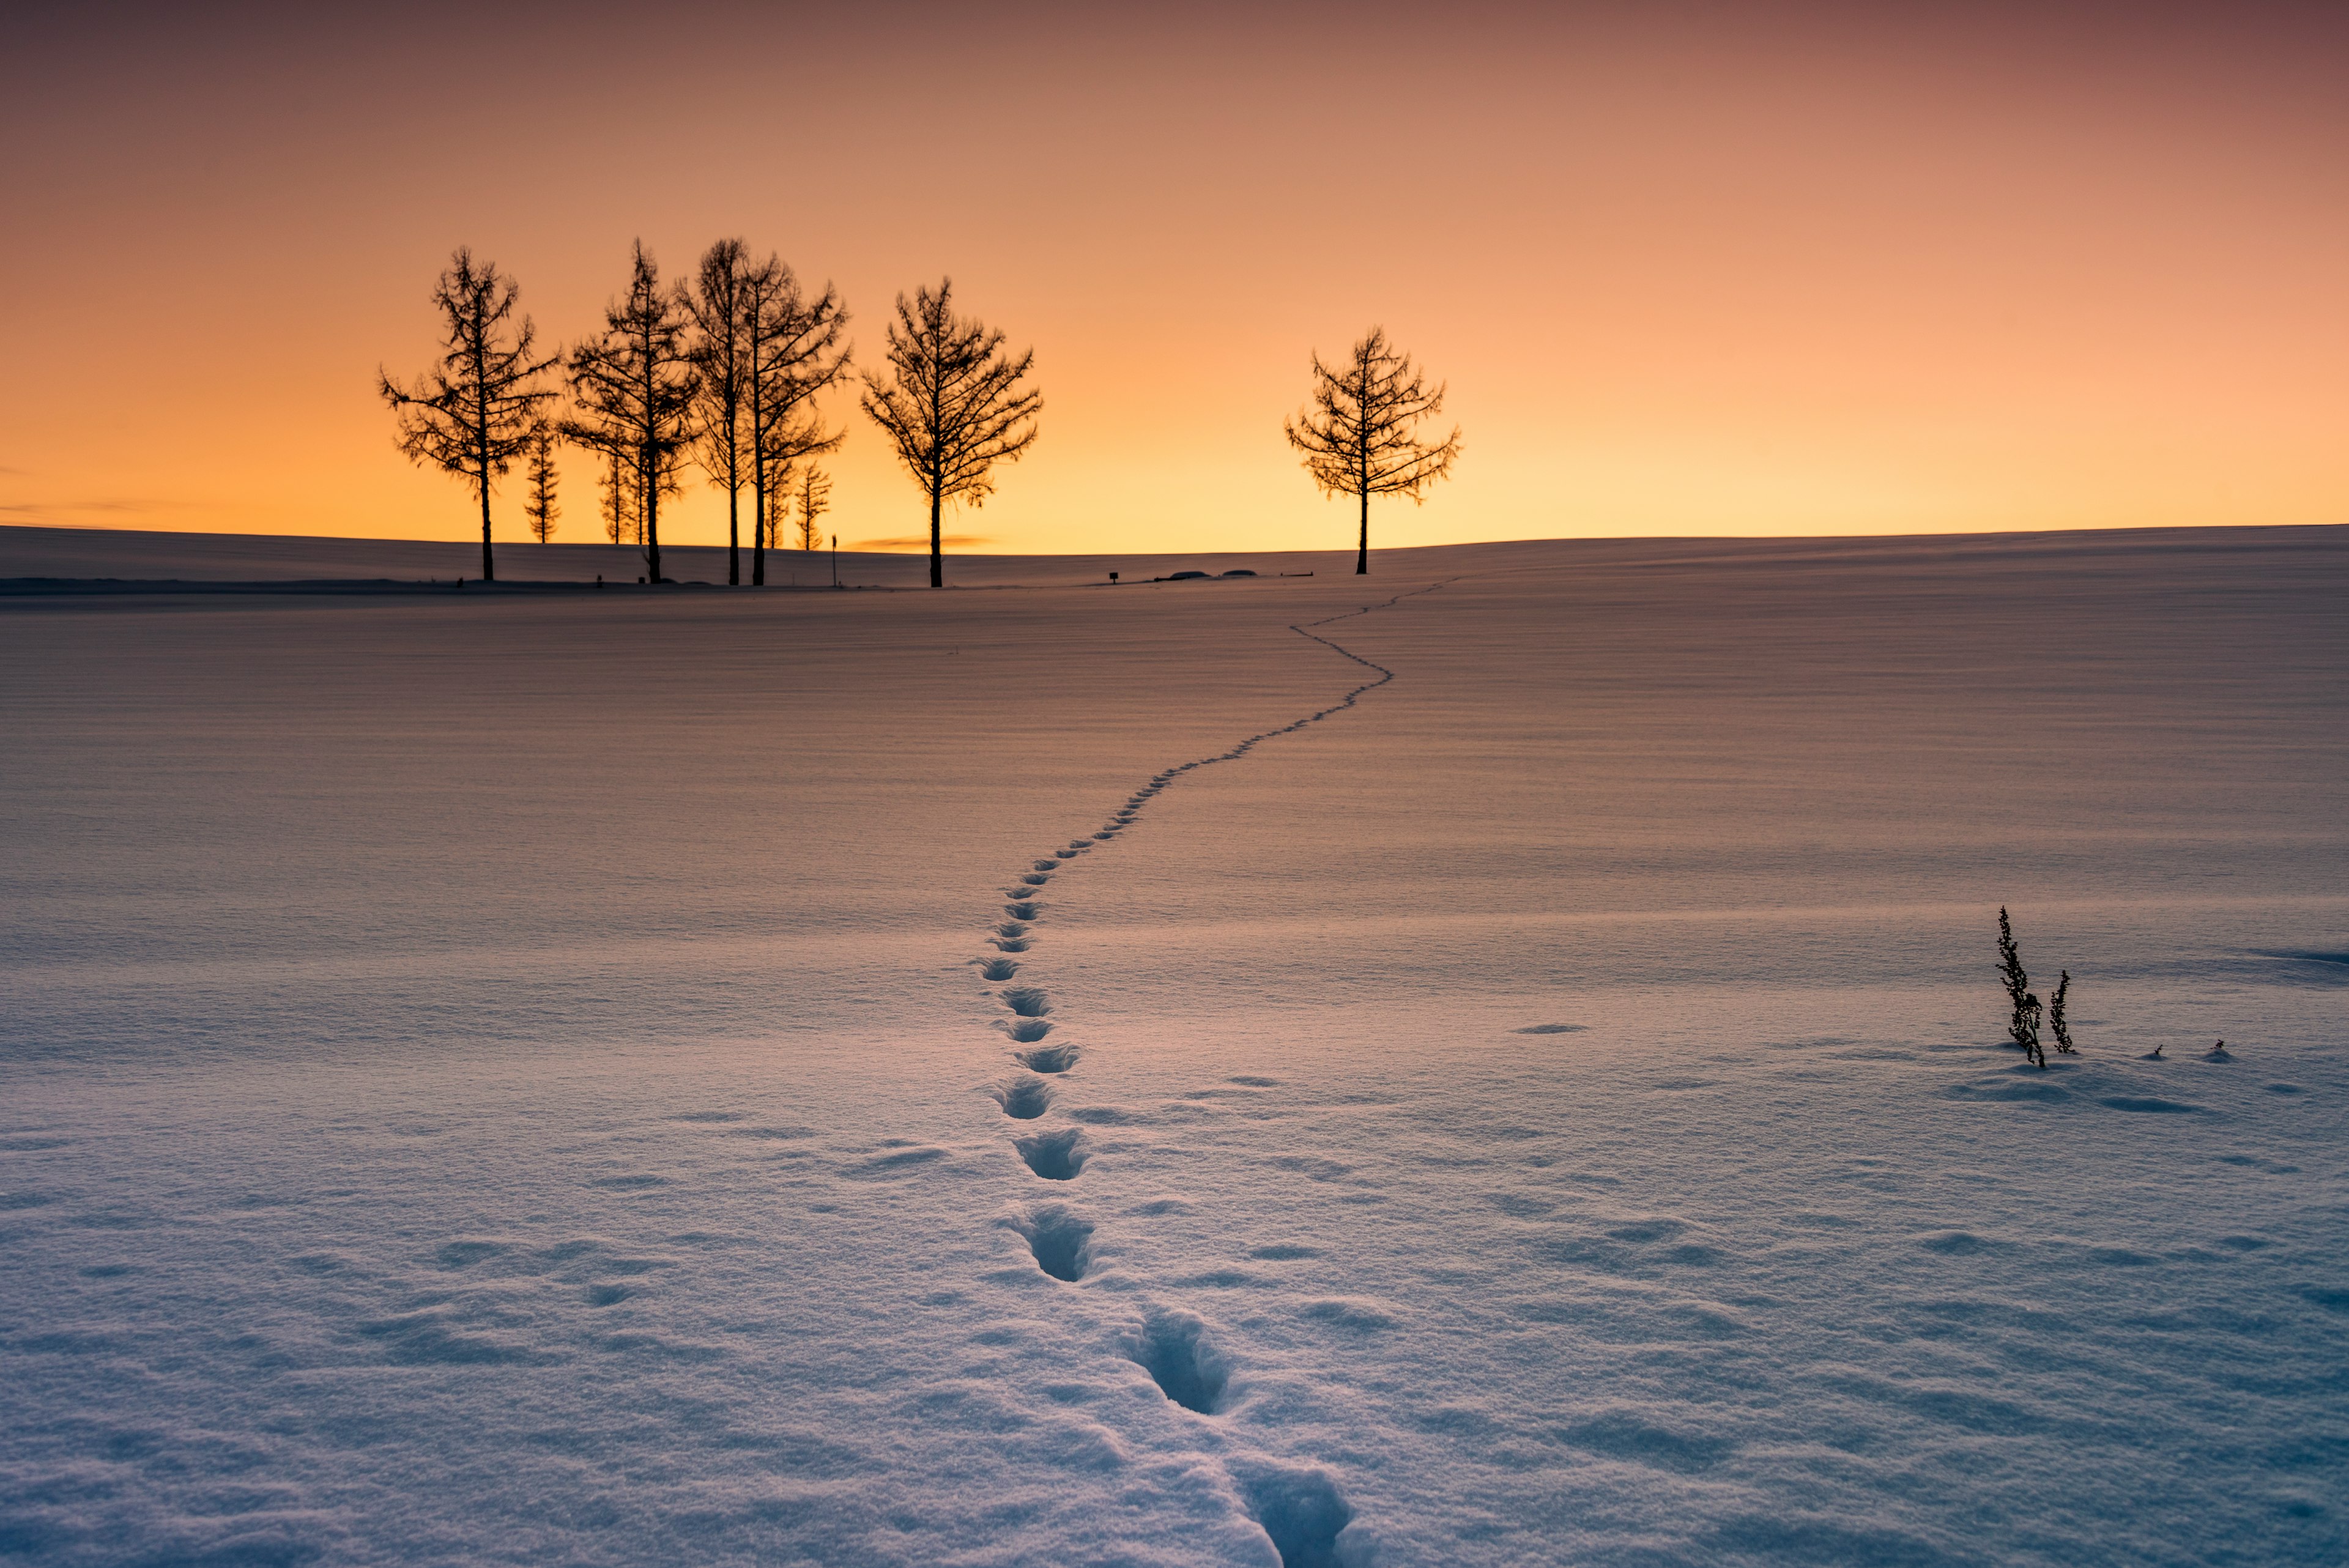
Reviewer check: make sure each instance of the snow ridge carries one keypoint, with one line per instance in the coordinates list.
(1302, 1510)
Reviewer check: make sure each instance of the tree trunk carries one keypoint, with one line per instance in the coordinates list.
(937, 570)
(733, 539)
(482, 438)
(1363, 552)
(652, 526)
(758, 527)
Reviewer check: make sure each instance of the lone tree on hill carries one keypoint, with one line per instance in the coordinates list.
(794, 351)
(1358, 438)
(814, 497)
(474, 412)
(540, 508)
(951, 404)
(635, 384)
(721, 361)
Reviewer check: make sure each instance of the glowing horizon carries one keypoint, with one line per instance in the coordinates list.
(1815, 272)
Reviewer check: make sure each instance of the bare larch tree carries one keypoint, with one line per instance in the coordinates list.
(793, 351)
(714, 302)
(635, 384)
(1359, 436)
(622, 516)
(542, 508)
(814, 497)
(951, 402)
(473, 413)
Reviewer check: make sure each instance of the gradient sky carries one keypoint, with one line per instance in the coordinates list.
(1687, 269)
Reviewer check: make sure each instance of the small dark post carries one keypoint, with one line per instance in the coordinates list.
(835, 560)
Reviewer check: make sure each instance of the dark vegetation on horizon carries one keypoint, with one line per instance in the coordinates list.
(723, 371)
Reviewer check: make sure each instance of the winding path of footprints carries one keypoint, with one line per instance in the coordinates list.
(1301, 1509)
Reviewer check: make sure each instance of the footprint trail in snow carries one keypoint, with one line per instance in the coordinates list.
(1301, 1509)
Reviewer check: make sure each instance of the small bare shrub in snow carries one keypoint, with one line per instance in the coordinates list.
(2056, 1014)
(2022, 1017)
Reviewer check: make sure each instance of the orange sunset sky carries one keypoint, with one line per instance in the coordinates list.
(1687, 269)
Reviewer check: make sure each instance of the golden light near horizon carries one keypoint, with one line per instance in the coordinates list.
(1808, 271)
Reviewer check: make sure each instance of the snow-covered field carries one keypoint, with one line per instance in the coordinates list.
(512, 1078)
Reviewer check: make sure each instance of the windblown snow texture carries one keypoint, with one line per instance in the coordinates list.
(519, 1078)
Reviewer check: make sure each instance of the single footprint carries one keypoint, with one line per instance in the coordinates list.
(1010, 929)
(1048, 1058)
(1026, 1001)
(1024, 909)
(1060, 1238)
(1047, 866)
(1023, 1099)
(997, 967)
(1057, 1155)
(1036, 878)
(1027, 1031)
(1174, 1349)
(1301, 1509)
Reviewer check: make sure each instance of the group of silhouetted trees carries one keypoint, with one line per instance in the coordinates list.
(723, 370)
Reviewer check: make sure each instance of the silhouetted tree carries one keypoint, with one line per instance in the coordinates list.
(951, 404)
(542, 508)
(2056, 1023)
(635, 384)
(624, 519)
(473, 413)
(720, 357)
(776, 515)
(815, 500)
(1358, 437)
(2022, 1017)
(794, 353)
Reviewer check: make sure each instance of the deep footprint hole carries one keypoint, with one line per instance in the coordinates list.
(1048, 1058)
(998, 968)
(1027, 1031)
(1061, 1238)
(1057, 1155)
(1026, 1001)
(1301, 1509)
(1174, 1349)
(1023, 1099)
